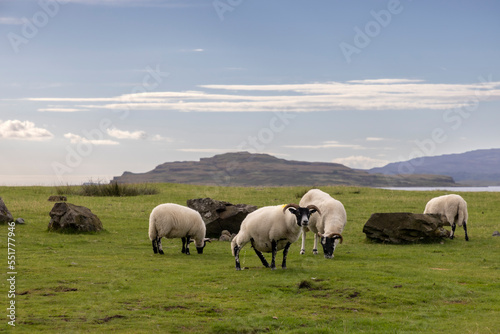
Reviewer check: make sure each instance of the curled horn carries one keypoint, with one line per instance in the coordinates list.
(314, 207)
(290, 206)
(207, 239)
(337, 235)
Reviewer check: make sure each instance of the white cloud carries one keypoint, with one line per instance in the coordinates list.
(374, 139)
(121, 134)
(161, 138)
(75, 139)
(60, 109)
(378, 94)
(24, 130)
(327, 144)
(361, 162)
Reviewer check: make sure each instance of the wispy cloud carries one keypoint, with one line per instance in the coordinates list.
(75, 139)
(378, 94)
(121, 134)
(23, 130)
(11, 21)
(327, 144)
(361, 162)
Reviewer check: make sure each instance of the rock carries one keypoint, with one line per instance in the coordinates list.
(220, 215)
(496, 234)
(57, 198)
(69, 217)
(225, 236)
(19, 221)
(5, 215)
(404, 227)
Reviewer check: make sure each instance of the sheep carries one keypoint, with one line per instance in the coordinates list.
(176, 221)
(329, 226)
(271, 228)
(454, 207)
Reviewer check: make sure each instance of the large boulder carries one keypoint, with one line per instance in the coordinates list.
(73, 218)
(404, 227)
(5, 215)
(219, 215)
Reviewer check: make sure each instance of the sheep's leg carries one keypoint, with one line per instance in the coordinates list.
(303, 247)
(465, 230)
(155, 248)
(260, 255)
(285, 254)
(183, 245)
(186, 241)
(160, 248)
(274, 250)
(237, 256)
(453, 226)
(315, 249)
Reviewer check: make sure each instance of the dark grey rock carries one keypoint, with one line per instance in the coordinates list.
(69, 217)
(496, 234)
(5, 215)
(57, 198)
(219, 215)
(20, 221)
(405, 227)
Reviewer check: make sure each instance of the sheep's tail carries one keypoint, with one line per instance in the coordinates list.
(461, 214)
(153, 233)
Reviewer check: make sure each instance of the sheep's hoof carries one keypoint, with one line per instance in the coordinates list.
(315, 251)
(273, 268)
(303, 251)
(161, 252)
(238, 268)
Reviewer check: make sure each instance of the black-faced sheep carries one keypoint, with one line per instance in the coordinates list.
(329, 226)
(454, 207)
(176, 221)
(270, 229)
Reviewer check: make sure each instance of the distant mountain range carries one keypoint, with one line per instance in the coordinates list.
(478, 168)
(247, 169)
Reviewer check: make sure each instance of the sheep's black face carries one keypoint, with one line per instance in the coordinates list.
(328, 246)
(200, 249)
(302, 215)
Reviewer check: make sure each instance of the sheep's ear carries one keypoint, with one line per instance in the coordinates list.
(292, 210)
(312, 211)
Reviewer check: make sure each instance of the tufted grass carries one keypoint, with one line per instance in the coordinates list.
(112, 281)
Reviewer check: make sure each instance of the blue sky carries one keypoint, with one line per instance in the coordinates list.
(90, 89)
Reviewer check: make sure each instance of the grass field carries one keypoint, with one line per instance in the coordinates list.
(112, 281)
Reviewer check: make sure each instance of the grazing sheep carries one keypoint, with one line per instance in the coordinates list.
(270, 229)
(176, 221)
(329, 226)
(454, 207)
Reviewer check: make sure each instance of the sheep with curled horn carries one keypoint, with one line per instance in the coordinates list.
(329, 226)
(270, 229)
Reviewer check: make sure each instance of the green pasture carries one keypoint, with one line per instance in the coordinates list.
(112, 282)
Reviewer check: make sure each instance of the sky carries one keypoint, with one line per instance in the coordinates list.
(90, 89)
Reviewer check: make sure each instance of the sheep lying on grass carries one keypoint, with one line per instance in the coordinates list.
(454, 207)
(270, 229)
(329, 226)
(176, 221)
